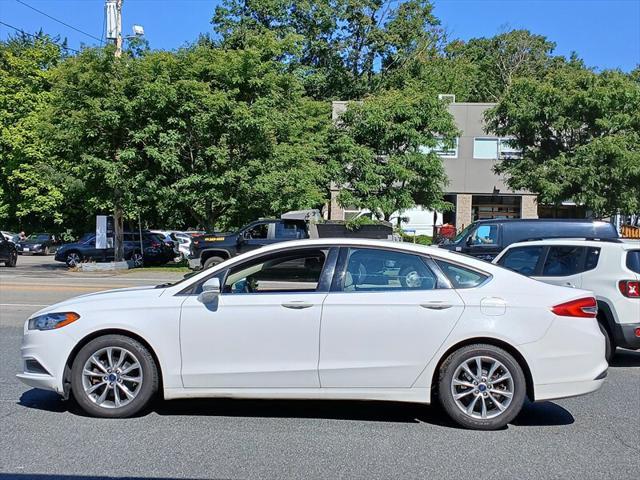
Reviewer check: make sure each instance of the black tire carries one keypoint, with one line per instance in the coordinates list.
(138, 259)
(609, 346)
(72, 259)
(517, 384)
(13, 259)
(148, 371)
(212, 262)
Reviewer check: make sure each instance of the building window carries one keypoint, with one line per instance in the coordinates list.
(495, 206)
(485, 148)
(443, 149)
(507, 150)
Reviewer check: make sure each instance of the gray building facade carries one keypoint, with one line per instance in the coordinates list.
(474, 189)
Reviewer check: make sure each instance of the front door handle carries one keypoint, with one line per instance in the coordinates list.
(297, 305)
(436, 305)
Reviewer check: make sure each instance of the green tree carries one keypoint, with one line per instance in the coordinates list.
(580, 134)
(28, 196)
(343, 44)
(382, 151)
(501, 59)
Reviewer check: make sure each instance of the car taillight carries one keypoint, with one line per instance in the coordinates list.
(583, 307)
(629, 288)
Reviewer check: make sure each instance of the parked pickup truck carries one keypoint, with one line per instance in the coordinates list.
(212, 248)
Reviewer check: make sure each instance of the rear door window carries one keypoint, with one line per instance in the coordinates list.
(461, 277)
(563, 261)
(633, 260)
(523, 260)
(591, 259)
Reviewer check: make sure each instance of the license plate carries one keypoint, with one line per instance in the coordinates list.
(25, 249)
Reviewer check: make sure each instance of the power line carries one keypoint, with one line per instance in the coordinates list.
(19, 30)
(59, 21)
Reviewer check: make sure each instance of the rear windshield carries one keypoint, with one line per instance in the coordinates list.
(633, 260)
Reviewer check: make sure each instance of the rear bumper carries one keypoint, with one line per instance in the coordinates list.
(625, 336)
(194, 263)
(568, 361)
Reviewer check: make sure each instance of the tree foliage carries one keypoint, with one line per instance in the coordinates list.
(580, 133)
(382, 149)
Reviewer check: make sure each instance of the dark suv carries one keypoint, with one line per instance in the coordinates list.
(38, 244)
(153, 252)
(485, 239)
(8, 252)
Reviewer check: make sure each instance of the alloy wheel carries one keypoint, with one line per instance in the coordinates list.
(73, 259)
(112, 377)
(137, 259)
(482, 387)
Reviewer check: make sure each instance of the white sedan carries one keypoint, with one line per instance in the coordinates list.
(325, 319)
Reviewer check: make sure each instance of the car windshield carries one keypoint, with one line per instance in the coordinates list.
(40, 237)
(462, 234)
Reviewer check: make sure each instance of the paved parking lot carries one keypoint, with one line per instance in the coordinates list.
(597, 436)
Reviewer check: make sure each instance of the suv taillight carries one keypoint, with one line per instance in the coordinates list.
(583, 307)
(629, 288)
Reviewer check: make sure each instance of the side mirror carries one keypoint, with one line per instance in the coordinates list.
(210, 291)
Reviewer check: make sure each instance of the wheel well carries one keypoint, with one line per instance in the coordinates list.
(605, 316)
(489, 341)
(101, 333)
(204, 256)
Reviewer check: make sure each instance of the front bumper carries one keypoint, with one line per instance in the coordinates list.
(50, 349)
(194, 263)
(625, 335)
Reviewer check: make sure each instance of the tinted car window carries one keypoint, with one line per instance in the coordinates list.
(591, 260)
(373, 270)
(296, 271)
(522, 259)
(259, 231)
(562, 261)
(289, 230)
(461, 277)
(633, 260)
(485, 235)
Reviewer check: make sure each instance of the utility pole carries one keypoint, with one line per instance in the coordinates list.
(114, 32)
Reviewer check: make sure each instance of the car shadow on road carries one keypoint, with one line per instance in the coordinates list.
(625, 358)
(532, 414)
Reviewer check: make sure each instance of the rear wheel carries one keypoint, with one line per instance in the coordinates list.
(212, 262)
(482, 387)
(113, 376)
(137, 259)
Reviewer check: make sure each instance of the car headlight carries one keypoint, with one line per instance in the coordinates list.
(50, 321)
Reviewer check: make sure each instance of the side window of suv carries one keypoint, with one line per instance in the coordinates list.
(563, 261)
(591, 259)
(633, 260)
(522, 259)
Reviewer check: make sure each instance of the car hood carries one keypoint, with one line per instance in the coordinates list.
(103, 300)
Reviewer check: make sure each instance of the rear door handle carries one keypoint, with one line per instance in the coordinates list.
(297, 305)
(436, 305)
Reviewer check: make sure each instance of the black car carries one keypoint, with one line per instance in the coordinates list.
(212, 248)
(153, 250)
(38, 244)
(8, 252)
(485, 239)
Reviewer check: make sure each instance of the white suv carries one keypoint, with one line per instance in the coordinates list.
(610, 269)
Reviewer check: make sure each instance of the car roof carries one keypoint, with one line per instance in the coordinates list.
(624, 244)
(540, 220)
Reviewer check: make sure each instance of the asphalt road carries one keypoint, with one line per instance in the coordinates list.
(41, 436)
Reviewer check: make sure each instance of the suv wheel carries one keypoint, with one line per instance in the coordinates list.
(113, 376)
(482, 387)
(137, 259)
(212, 262)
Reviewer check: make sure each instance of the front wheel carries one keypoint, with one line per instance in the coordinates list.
(13, 259)
(482, 387)
(72, 259)
(114, 377)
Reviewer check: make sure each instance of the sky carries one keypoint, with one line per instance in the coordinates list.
(605, 33)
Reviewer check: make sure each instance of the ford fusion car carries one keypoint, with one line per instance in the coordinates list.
(325, 319)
